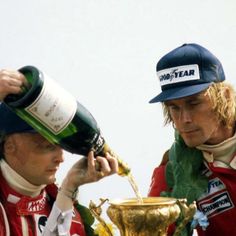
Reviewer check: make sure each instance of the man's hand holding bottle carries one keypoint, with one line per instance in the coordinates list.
(11, 82)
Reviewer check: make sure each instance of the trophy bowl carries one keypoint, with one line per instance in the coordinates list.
(150, 217)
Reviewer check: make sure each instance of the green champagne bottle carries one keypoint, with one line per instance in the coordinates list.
(57, 116)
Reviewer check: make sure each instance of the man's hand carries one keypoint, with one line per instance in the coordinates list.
(86, 171)
(10, 82)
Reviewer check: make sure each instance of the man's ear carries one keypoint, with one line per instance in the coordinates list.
(227, 93)
(9, 146)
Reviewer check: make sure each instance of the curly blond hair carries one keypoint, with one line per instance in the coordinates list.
(223, 98)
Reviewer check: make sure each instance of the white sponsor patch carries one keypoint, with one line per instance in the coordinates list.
(178, 74)
(216, 204)
(214, 185)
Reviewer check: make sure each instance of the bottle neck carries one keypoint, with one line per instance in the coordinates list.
(123, 169)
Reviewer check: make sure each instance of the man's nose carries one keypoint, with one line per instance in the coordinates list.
(58, 155)
(185, 116)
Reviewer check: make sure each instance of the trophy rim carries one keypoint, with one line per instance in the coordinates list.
(147, 201)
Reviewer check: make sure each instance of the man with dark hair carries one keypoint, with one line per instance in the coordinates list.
(30, 202)
(201, 164)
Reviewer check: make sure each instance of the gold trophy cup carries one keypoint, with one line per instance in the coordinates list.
(149, 218)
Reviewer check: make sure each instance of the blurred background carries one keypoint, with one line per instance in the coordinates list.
(104, 53)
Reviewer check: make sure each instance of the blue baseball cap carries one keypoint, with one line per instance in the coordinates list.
(11, 123)
(187, 70)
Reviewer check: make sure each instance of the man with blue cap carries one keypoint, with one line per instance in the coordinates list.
(201, 164)
(30, 202)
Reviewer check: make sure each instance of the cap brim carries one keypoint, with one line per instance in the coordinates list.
(11, 123)
(179, 92)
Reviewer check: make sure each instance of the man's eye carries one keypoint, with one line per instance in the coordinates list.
(194, 103)
(50, 147)
(174, 108)
(46, 147)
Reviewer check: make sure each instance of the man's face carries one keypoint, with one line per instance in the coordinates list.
(195, 120)
(33, 157)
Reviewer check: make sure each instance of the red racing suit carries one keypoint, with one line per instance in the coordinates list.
(21, 215)
(218, 202)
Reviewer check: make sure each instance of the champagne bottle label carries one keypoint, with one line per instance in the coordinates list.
(54, 107)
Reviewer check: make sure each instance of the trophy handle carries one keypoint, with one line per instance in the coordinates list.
(187, 212)
(97, 211)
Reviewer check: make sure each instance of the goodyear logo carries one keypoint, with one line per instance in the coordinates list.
(178, 74)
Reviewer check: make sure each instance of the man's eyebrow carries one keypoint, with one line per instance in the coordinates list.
(169, 103)
(197, 96)
(187, 99)
(193, 98)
